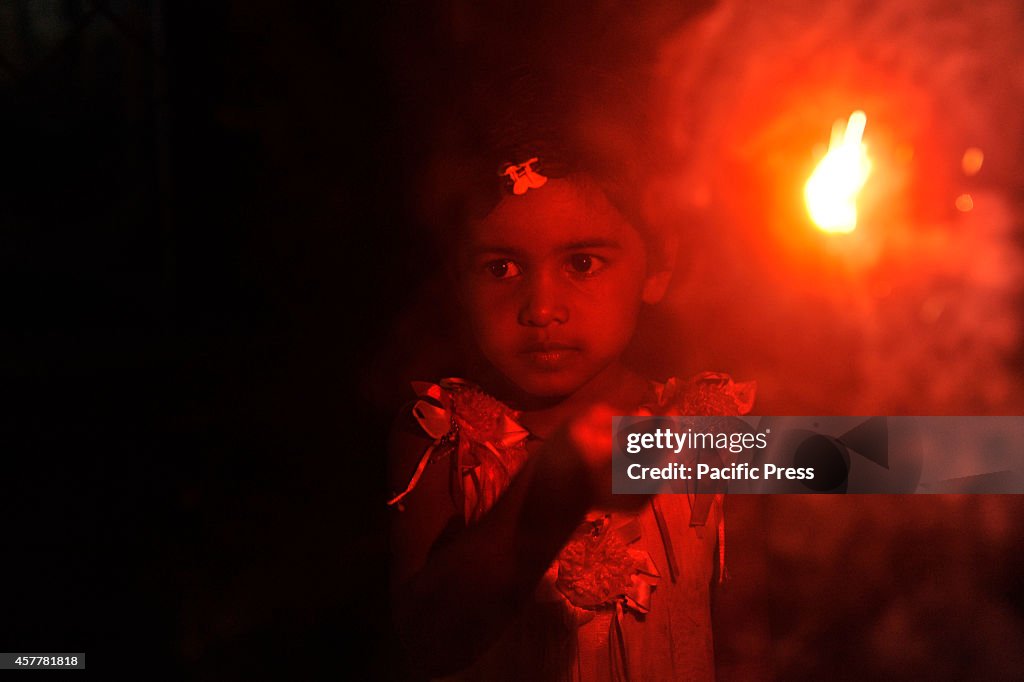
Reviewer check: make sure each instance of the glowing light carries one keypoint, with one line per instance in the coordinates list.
(972, 160)
(964, 202)
(831, 191)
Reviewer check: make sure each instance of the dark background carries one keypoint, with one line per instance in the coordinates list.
(210, 252)
(199, 203)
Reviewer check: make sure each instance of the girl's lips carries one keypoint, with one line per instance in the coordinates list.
(550, 356)
(547, 347)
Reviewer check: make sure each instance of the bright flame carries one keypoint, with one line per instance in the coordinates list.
(831, 191)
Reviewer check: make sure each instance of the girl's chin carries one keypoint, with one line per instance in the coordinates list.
(548, 387)
(534, 383)
(533, 391)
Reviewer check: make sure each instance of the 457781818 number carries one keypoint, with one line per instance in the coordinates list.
(20, 661)
(46, 660)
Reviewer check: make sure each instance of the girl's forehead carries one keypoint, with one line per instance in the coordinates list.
(562, 211)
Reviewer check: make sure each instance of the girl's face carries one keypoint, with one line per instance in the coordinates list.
(553, 281)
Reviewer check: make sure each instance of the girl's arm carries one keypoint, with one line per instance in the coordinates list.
(457, 587)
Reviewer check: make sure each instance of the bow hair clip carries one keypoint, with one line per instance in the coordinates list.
(522, 177)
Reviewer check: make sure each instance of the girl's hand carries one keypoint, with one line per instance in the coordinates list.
(589, 437)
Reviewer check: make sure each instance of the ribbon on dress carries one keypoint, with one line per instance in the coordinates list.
(489, 443)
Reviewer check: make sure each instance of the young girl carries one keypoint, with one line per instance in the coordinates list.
(511, 557)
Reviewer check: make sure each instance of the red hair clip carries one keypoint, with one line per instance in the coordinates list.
(523, 177)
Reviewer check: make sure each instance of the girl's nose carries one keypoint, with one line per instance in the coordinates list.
(542, 303)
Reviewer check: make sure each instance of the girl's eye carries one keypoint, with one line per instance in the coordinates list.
(584, 264)
(503, 269)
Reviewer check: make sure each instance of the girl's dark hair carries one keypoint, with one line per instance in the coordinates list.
(580, 125)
